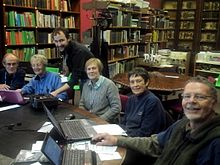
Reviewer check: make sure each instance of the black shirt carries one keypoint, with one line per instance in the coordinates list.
(15, 81)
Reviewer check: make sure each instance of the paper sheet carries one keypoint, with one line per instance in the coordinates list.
(112, 129)
(46, 127)
(9, 107)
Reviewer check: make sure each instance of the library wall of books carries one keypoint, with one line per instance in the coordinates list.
(137, 32)
(27, 25)
(194, 27)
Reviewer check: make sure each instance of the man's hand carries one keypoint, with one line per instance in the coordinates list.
(4, 87)
(104, 139)
(54, 93)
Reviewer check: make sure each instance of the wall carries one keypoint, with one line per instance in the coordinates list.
(86, 23)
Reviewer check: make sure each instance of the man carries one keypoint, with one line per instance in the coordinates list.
(75, 56)
(11, 77)
(144, 112)
(194, 140)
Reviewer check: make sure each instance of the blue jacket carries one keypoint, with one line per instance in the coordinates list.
(44, 85)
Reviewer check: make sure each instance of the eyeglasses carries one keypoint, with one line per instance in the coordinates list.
(138, 81)
(197, 97)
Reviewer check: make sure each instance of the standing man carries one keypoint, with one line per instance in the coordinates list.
(11, 77)
(75, 56)
(193, 140)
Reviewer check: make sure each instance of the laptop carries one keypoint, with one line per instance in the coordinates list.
(63, 156)
(12, 96)
(71, 130)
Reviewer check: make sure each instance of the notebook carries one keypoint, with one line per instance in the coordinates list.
(64, 156)
(71, 130)
(12, 96)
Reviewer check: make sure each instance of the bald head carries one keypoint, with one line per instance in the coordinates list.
(10, 62)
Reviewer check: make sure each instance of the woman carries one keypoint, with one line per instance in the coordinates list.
(100, 95)
(43, 82)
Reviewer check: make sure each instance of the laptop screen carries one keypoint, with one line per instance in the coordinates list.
(52, 150)
(53, 120)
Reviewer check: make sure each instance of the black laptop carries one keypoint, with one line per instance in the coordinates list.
(71, 130)
(62, 156)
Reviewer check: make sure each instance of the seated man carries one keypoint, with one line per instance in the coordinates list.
(193, 140)
(144, 112)
(43, 82)
(11, 77)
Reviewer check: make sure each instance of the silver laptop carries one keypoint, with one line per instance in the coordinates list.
(71, 130)
(12, 96)
(64, 156)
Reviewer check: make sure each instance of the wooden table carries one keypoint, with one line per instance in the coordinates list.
(22, 136)
(159, 81)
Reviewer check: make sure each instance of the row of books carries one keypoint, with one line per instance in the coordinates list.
(121, 36)
(24, 19)
(52, 20)
(120, 67)
(24, 54)
(186, 35)
(187, 24)
(123, 52)
(208, 37)
(50, 53)
(64, 5)
(212, 5)
(20, 37)
(27, 19)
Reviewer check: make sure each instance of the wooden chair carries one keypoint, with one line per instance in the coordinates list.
(124, 99)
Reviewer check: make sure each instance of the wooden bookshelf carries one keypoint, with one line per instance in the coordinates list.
(133, 32)
(26, 25)
(194, 24)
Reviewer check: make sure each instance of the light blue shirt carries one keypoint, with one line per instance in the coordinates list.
(45, 84)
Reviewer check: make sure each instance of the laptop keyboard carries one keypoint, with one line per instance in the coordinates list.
(79, 157)
(74, 129)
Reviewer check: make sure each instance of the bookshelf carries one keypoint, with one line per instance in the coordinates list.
(207, 64)
(133, 32)
(210, 22)
(194, 24)
(27, 25)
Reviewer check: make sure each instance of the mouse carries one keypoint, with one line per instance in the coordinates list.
(70, 117)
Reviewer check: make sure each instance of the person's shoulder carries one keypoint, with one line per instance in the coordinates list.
(20, 70)
(2, 70)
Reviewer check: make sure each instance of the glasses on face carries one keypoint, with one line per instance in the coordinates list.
(137, 81)
(197, 97)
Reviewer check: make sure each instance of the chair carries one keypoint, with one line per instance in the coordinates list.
(52, 69)
(124, 99)
(174, 107)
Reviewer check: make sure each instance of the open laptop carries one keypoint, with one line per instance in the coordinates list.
(64, 156)
(12, 96)
(71, 130)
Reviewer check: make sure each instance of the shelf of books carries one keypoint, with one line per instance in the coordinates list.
(133, 32)
(210, 25)
(28, 24)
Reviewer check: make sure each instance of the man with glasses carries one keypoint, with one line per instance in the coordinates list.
(193, 140)
(11, 77)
